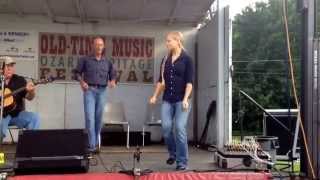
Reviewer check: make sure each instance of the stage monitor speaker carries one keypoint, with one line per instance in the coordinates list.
(52, 151)
(288, 141)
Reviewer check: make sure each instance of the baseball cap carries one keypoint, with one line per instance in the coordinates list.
(7, 60)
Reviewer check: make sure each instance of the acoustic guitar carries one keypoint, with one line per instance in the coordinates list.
(9, 103)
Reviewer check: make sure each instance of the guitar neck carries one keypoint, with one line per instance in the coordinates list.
(18, 90)
(15, 92)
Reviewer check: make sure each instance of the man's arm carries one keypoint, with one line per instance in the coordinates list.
(79, 73)
(30, 88)
(112, 74)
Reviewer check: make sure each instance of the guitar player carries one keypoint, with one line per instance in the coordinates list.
(17, 116)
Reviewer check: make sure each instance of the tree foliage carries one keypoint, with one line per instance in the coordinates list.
(261, 62)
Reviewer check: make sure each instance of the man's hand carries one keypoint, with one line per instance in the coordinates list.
(30, 87)
(112, 84)
(84, 85)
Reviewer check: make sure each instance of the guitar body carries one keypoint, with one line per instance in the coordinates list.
(9, 103)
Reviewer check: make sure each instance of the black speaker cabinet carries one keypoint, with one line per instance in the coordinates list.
(52, 151)
(286, 138)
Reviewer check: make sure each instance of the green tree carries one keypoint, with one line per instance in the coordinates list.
(260, 60)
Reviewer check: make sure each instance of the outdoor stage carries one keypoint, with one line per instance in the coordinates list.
(153, 176)
(113, 159)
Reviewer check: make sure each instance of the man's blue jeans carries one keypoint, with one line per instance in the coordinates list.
(94, 102)
(174, 122)
(28, 120)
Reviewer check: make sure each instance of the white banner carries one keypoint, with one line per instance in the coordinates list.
(132, 57)
(20, 45)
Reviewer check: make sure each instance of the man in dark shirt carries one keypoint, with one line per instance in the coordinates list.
(96, 73)
(17, 115)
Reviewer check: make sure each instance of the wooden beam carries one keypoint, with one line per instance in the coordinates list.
(109, 10)
(48, 10)
(80, 9)
(143, 5)
(173, 12)
(18, 8)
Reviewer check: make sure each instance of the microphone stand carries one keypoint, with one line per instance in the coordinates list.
(5, 167)
(1, 108)
(136, 171)
(269, 114)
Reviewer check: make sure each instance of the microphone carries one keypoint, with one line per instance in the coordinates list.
(2, 68)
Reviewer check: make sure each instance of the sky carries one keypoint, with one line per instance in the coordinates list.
(237, 5)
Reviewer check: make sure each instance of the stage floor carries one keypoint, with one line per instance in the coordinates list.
(112, 158)
(117, 158)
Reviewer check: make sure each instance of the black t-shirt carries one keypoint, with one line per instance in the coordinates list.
(15, 83)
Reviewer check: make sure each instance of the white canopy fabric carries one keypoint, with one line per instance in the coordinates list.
(190, 12)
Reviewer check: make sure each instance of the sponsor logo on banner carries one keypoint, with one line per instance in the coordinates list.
(20, 45)
(133, 57)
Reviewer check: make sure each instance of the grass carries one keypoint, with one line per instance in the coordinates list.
(282, 165)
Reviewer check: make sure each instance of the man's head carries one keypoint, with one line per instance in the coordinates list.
(8, 66)
(98, 46)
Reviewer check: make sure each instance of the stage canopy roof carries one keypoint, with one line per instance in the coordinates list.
(188, 12)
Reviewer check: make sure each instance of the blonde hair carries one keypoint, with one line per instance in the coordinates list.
(177, 36)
